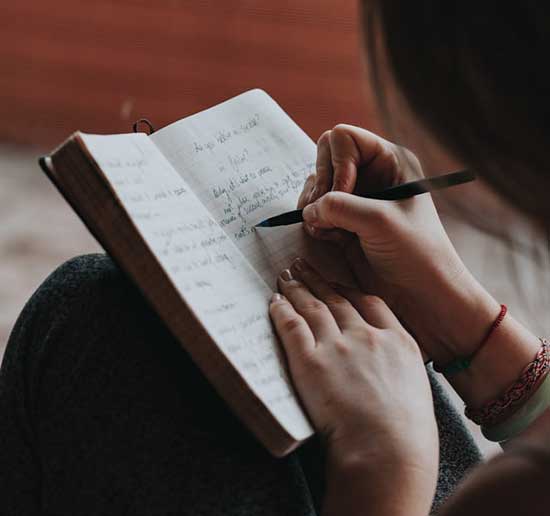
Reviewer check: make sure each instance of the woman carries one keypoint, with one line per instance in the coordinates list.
(103, 413)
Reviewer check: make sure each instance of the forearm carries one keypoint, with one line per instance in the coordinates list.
(460, 322)
(497, 365)
(378, 485)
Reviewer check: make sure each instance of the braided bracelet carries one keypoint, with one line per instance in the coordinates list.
(514, 425)
(530, 379)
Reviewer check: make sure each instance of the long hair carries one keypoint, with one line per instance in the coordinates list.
(476, 74)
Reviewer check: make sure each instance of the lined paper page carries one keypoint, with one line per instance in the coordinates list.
(226, 294)
(247, 160)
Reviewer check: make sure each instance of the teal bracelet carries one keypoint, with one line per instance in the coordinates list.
(462, 363)
(521, 419)
(457, 365)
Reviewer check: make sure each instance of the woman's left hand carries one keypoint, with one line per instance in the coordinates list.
(359, 374)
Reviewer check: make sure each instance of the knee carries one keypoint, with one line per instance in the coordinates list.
(87, 277)
(86, 291)
(86, 307)
(88, 284)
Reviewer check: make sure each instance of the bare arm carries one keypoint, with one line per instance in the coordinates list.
(377, 485)
(400, 252)
(361, 378)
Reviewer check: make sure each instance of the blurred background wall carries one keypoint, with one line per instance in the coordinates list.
(99, 65)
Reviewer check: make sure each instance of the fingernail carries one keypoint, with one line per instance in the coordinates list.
(298, 265)
(312, 194)
(286, 275)
(310, 213)
(276, 297)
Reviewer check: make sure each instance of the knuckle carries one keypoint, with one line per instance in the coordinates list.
(315, 363)
(290, 324)
(367, 335)
(392, 155)
(344, 182)
(311, 179)
(323, 170)
(390, 161)
(278, 309)
(409, 343)
(336, 301)
(332, 203)
(342, 347)
(412, 158)
(373, 302)
(313, 306)
(324, 138)
(405, 159)
(403, 162)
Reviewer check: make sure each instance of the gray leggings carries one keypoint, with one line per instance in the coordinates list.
(102, 412)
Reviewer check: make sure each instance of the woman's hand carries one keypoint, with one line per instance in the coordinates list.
(397, 250)
(361, 378)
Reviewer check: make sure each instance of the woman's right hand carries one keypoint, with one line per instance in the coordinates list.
(398, 250)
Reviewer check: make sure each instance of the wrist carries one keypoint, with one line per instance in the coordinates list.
(452, 315)
(392, 481)
(497, 364)
(465, 319)
(462, 315)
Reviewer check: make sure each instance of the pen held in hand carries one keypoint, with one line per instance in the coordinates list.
(394, 193)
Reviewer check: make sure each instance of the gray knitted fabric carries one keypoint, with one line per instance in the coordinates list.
(102, 412)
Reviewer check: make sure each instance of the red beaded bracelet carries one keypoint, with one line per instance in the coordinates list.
(517, 394)
(461, 363)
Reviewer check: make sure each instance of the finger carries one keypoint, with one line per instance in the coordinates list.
(323, 166)
(342, 310)
(359, 265)
(306, 191)
(313, 310)
(337, 236)
(347, 211)
(353, 148)
(382, 172)
(373, 309)
(346, 158)
(290, 326)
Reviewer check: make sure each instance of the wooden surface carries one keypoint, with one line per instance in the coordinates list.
(97, 66)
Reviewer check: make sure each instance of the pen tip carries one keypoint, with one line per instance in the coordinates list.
(263, 224)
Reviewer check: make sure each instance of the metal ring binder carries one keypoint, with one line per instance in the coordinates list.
(146, 122)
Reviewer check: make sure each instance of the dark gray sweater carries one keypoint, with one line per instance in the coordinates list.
(102, 412)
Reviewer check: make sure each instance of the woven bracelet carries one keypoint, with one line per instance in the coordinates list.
(515, 424)
(495, 411)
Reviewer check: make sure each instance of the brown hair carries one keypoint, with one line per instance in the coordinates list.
(476, 74)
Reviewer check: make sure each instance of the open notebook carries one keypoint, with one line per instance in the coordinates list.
(177, 210)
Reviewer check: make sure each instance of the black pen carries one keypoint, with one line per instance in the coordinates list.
(394, 193)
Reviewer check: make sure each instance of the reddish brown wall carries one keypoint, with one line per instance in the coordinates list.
(98, 65)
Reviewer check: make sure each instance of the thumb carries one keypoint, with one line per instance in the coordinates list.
(346, 211)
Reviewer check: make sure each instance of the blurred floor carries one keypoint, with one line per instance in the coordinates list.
(39, 231)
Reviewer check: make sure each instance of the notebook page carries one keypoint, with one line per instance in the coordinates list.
(226, 294)
(247, 160)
